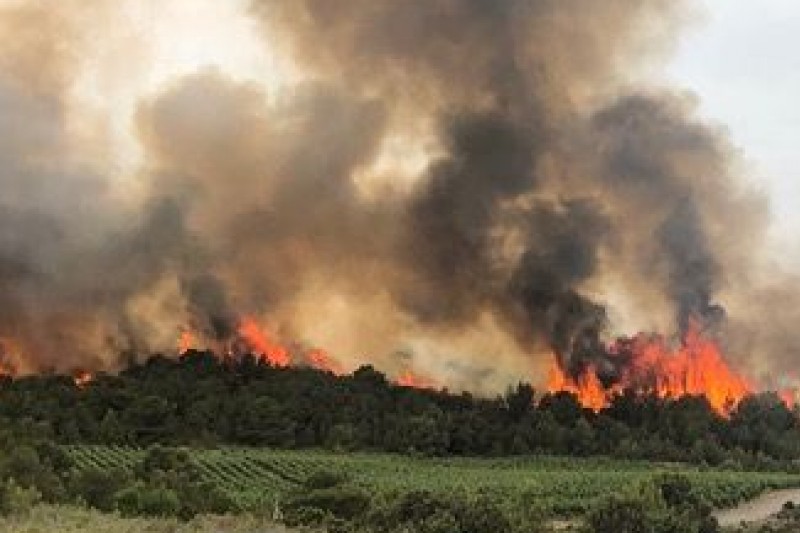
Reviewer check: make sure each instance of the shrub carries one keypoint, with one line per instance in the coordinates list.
(324, 479)
(482, 516)
(98, 487)
(21, 500)
(139, 500)
(442, 521)
(677, 491)
(304, 516)
(620, 515)
(666, 506)
(344, 502)
(203, 498)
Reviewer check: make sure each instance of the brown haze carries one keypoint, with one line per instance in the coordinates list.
(461, 187)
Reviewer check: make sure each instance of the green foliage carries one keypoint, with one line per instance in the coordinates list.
(98, 487)
(15, 499)
(531, 488)
(665, 505)
(621, 515)
(324, 479)
(201, 400)
(344, 502)
(141, 500)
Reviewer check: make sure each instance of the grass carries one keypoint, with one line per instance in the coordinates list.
(259, 478)
(52, 519)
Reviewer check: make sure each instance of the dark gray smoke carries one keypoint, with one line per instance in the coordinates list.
(553, 190)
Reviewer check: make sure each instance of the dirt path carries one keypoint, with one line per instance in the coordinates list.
(759, 508)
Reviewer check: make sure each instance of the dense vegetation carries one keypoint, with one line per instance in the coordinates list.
(200, 400)
(258, 479)
(370, 493)
(161, 482)
(310, 448)
(360, 493)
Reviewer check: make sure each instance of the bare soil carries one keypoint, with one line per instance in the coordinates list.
(758, 509)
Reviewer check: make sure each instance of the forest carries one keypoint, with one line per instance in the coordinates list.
(201, 400)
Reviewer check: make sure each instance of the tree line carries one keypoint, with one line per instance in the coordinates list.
(200, 400)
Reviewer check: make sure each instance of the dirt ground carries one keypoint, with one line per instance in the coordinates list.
(759, 509)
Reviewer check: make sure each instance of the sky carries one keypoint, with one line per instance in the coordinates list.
(743, 61)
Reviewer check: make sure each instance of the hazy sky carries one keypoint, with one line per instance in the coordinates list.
(744, 62)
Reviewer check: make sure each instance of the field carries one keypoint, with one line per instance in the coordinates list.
(259, 478)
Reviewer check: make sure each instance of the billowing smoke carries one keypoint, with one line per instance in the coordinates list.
(442, 178)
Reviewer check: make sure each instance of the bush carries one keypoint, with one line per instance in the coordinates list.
(677, 491)
(482, 516)
(304, 516)
(428, 512)
(668, 505)
(160, 461)
(324, 479)
(98, 487)
(621, 515)
(21, 500)
(15, 499)
(24, 465)
(203, 498)
(139, 500)
(344, 502)
(442, 521)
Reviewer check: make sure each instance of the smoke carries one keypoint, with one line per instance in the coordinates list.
(545, 168)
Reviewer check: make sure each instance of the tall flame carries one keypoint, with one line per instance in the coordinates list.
(586, 387)
(697, 367)
(259, 342)
(252, 338)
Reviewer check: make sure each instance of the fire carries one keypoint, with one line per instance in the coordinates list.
(259, 341)
(409, 379)
(251, 337)
(82, 378)
(185, 341)
(587, 387)
(696, 367)
(320, 360)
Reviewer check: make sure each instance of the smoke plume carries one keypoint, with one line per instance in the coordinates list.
(442, 180)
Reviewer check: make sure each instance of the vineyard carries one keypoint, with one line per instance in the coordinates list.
(258, 478)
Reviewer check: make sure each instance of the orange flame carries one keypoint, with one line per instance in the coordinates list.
(789, 396)
(320, 360)
(409, 379)
(695, 368)
(258, 341)
(185, 341)
(586, 387)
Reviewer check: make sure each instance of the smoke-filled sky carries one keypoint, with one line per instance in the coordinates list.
(463, 188)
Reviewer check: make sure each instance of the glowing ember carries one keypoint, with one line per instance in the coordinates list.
(82, 379)
(696, 368)
(259, 342)
(789, 396)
